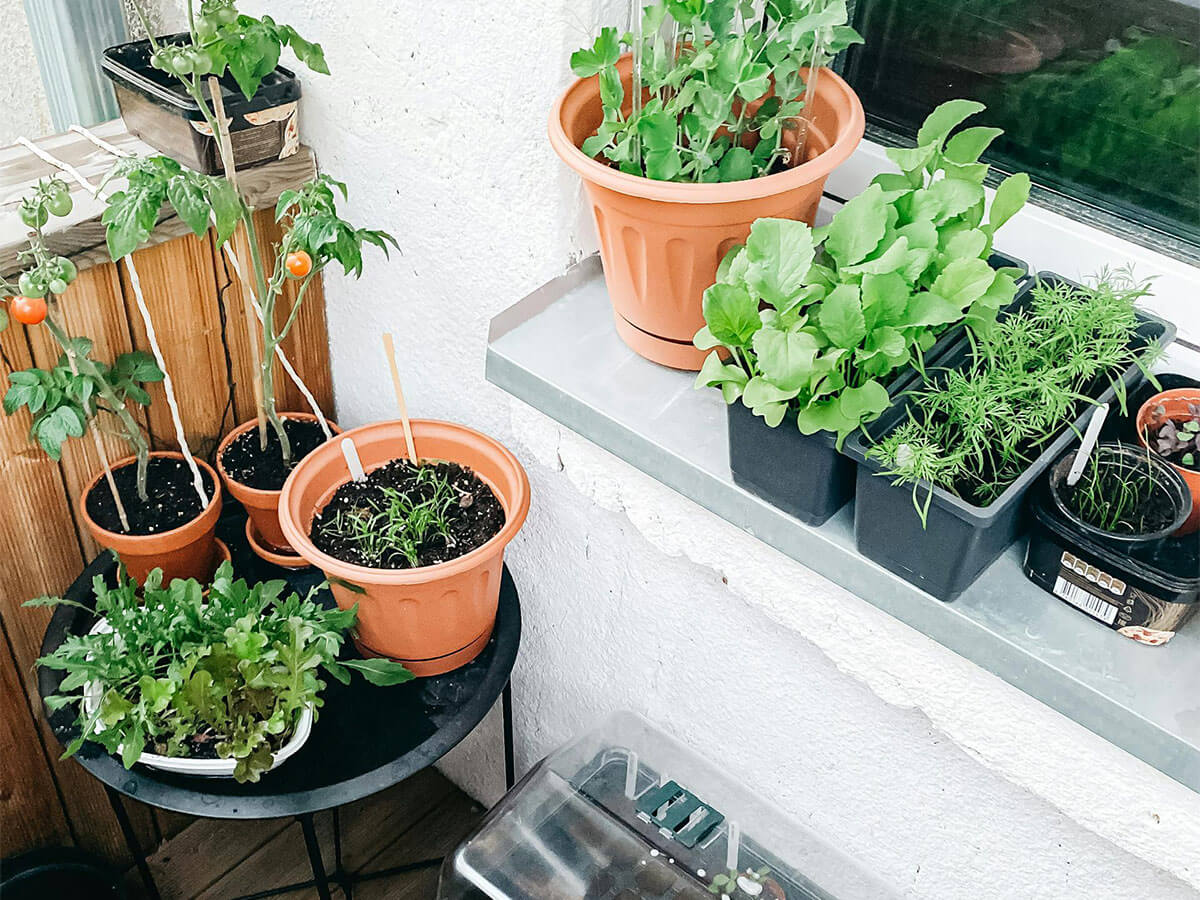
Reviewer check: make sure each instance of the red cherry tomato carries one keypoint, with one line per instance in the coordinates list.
(299, 263)
(28, 310)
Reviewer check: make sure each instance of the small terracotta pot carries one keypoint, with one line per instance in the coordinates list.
(1175, 404)
(262, 507)
(436, 618)
(188, 551)
(661, 241)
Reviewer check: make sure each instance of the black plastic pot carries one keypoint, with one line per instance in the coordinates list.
(158, 110)
(59, 872)
(804, 475)
(1145, 588)
(960, 539)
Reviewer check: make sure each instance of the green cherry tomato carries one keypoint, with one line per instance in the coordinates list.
(65, 269)
(226, 15)
(202, 63)
(206, 28)
(164, 59)
(57, 286)
(31, 285)
(59, 201)
(184, 64)
(34, 215)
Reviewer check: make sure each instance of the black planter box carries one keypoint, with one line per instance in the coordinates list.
(960, 539)
(804, 475)
(1145, 592)
(158, 110)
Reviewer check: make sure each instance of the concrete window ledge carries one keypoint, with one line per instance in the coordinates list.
(557, 351)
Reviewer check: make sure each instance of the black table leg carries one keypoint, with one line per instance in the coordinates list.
(339, 872)
(510, 768)
(131, 841)
(314, 856)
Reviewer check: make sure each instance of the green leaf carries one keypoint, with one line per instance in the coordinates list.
(736, 165)
(970, 243)
(253, 56)
(730, 379)
(190, 202)
(963, 281)
(131, 215)
(939, 123)
(884, 298)
(910, 160)
(968, 145)
(780, 253)
(766, 400)
(841, 316)
(1011, 195)
(226, 208)
(864, 403)
(731, 314)
(953, 197)
(858, 227)
(785, 357)
(892, 259)
(604, 52)
(381, 672)
(930, 310)
(824, 415)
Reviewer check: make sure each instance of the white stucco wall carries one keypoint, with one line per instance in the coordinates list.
(23, 109)
(944, 779)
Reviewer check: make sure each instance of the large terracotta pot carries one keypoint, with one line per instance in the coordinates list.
(432, 619)
(262, 507)
(661, 241)
(189, 551)
(1175, 405)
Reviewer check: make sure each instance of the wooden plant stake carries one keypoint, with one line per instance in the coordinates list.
(243, 242)
(389, 348)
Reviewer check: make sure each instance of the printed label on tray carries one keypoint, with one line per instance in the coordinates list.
(1134, 613)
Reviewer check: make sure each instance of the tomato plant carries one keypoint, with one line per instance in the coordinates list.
(220, 40)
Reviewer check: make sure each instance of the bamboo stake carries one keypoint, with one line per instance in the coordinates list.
(390, 349)
(243, 250)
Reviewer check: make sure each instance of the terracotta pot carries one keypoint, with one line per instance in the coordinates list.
(661, 241)
(432, 619)
(1175, 403)
(188, 551)
(262, 507)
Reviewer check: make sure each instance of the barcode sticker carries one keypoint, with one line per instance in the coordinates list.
(1085, 600)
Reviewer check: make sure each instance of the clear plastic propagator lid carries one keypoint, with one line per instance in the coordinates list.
(626, 812)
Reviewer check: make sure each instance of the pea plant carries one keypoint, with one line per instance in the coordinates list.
(700, 68)
(221, 670)
(811, 321)
(78, 391)
(975, 431)
(223, 41)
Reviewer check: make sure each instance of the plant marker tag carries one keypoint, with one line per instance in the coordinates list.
(353, 463)
(1089, 443)
(390, 349)
(732, 845)
(631, 770)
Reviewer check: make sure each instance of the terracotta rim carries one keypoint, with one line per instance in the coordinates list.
(259, 493)
(271, 554)
(1143, 416)
(290, 518)
(213, 509)
(726, 192)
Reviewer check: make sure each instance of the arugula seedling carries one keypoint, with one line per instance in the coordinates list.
(813, 320)
(183, 670)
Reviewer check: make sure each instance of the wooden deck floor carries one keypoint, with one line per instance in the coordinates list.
(421, 818)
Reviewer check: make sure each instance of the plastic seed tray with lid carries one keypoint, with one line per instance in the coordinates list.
(626, 812)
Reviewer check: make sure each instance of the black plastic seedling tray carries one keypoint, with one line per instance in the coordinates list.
(960, 539)
(158, 110)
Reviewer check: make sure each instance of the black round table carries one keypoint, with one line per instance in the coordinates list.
(365, 740)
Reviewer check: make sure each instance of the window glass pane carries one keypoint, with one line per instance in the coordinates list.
(1099, 99)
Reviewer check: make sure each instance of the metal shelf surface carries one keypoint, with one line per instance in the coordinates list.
(557, 351)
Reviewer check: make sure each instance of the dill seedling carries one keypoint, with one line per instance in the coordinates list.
(976, 430)
(397, 525)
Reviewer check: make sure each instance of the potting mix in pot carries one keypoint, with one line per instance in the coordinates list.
(223, 671)
(405, 515)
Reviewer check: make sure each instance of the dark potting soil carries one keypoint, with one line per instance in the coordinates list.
(473, 515)
(247, 463)
(172, 498)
